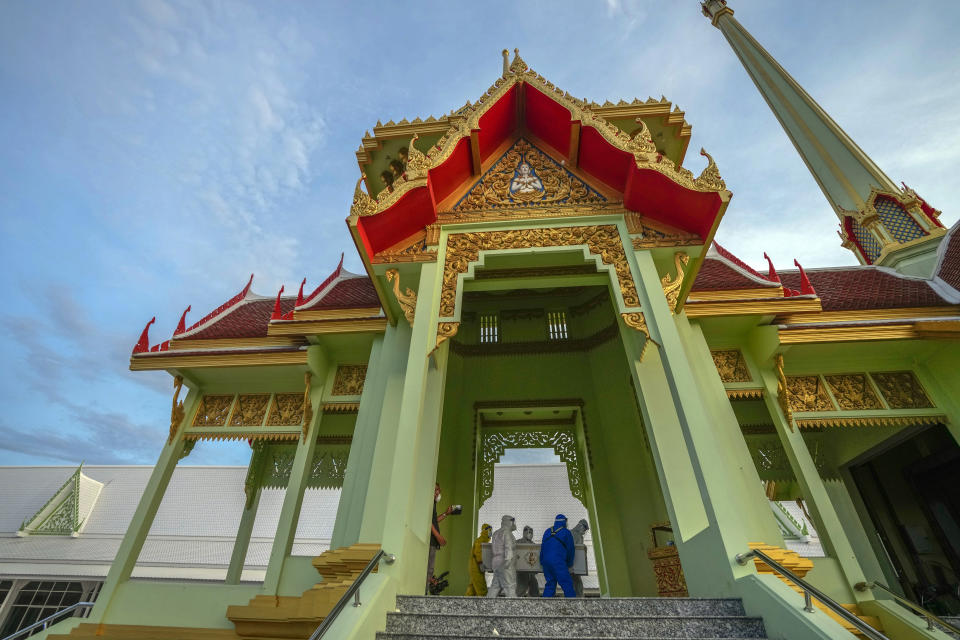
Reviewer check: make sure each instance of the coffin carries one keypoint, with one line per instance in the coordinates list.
(528, 558)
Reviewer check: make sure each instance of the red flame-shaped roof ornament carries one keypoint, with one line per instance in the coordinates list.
(143, 344)
(300, 294)
(805, 287)
(182, 325)
(277, 314)
(772, 276)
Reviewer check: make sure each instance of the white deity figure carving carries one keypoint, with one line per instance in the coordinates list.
(525, 182)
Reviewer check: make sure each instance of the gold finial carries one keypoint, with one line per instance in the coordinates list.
(506, 62)
(417, 162)
(710, 178)
(518, 66)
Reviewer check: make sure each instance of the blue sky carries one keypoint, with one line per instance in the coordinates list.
(156, 153)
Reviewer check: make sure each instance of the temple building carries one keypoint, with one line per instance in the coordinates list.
(540, 272)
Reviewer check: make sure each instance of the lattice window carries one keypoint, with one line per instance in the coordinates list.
(36, 600)
(557, 325)
(489, 328)
(868, 243)
(897, 221)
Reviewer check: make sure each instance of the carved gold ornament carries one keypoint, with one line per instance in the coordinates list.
(853, 392)
(602, 240)
(808, 393)
(213, 411)
(731, 366)
(671, 285)
(286, 410)
(307, 405)
(407, 300)
(363, 204)
(636, 321)
(250, 411)
(783, 391)
(349, 380)
(446, 330)
(526, 176)
(901, 390)
(417, 163)
(709, 179)
(176, 411)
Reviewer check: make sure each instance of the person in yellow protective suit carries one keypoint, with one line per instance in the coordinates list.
(478, 582)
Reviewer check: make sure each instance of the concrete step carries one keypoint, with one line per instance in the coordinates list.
(463, 605)
(420, 636)
(575, 626)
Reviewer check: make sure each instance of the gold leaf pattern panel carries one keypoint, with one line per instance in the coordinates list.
(853, 392)
(349, 380)
(525, 176)
(213, 411)
(250, 410)
(286, 410)
(808, 393)
(731, 366)
(902, 390)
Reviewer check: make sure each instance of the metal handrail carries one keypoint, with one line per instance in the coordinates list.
(352, 591)
(931, 617)
(810, 592)
(47, 620)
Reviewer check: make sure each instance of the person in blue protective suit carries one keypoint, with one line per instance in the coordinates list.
(556, 558)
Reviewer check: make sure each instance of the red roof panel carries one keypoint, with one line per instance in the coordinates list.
(853, 288)
(950, 267)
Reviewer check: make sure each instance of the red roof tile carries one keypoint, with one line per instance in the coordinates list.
(950, 266)
(349, 292)
(248, 320)
(716, 275)
(852, 288)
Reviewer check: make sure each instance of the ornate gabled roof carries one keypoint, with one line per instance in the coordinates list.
(839, 288)
(523, 103)
(343, 291)
(948, 267)
(67, 510)
(235, 312)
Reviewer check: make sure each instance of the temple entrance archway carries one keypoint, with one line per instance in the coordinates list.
(556, 425)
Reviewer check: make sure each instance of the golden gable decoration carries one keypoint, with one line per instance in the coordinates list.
(250, 410)
(853, 392)
(808, 393)
(902, 390)
(526, 176)
(213, 411)
(731, 366)
(286, 410)
(349, 380)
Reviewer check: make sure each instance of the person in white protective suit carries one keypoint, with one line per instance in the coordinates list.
(578, 531)
(503, 556)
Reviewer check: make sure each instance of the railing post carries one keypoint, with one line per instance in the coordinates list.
(356, 598)
(807, 602)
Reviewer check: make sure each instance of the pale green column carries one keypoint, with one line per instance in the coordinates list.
(139, 527)
(407, 500)
(702, 494)
(242, 543)
(801, 462)
(366, 432)
(299, 476)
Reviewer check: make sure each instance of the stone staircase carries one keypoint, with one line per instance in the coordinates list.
(426, 618)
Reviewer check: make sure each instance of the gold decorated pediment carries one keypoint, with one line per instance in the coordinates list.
(525, 176)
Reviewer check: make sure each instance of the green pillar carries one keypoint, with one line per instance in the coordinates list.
(133, 540)
(242, 543)
(299, 476)
(701, 492)
(812, 485)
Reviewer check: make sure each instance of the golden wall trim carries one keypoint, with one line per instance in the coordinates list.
(735, 294)
(815, 335)
(245, 435)
(762, 306)
(872, 421)
(349, 380)
(745, 394)
(221, 359)
(320, 327)
(868, 314)
(336, 314)
(234, 343)
(341, 407)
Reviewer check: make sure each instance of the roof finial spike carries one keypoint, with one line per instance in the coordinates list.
(506, 62)
(277, 313)
(518, 66)
(300, 295)
(773, 276)
(246, 289)
(143, 344)
(182, 325)
(805, 287)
